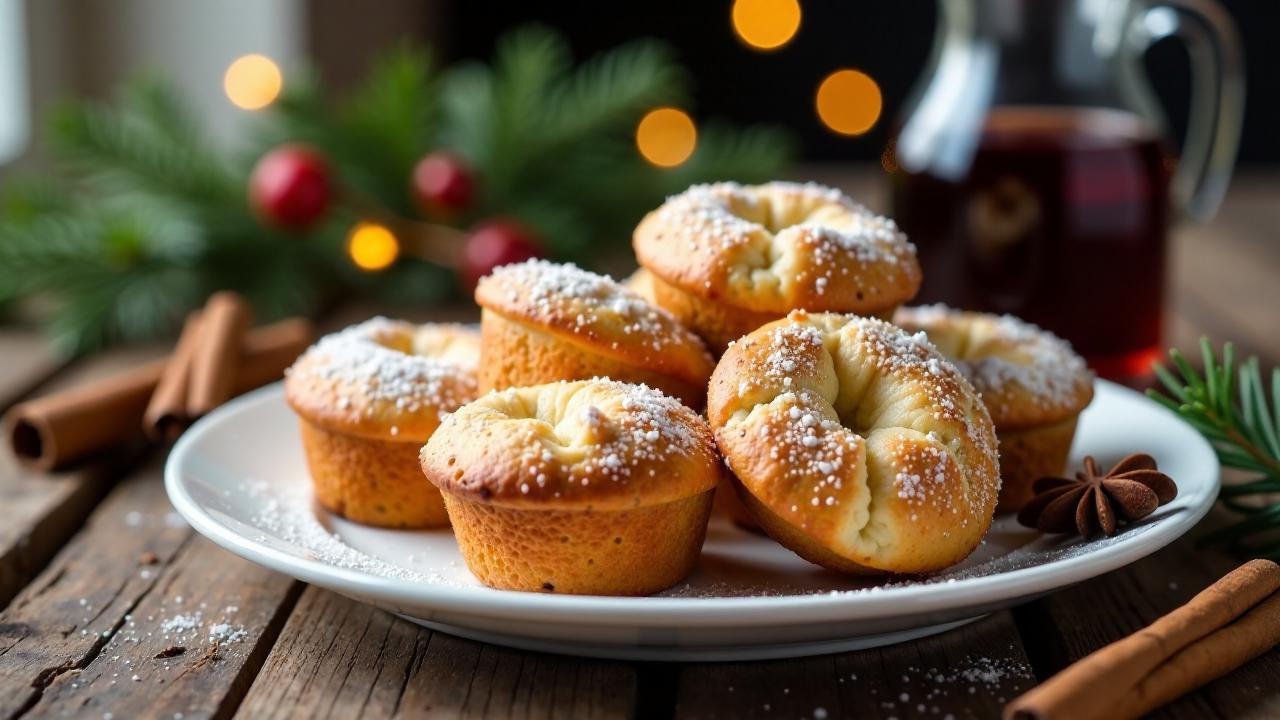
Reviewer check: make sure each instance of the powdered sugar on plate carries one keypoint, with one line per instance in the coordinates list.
(735, 563)
(288, 515)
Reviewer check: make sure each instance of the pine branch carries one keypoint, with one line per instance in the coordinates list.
(1228, 404)
(533, 109)
(144, 144)
(390, 123)
(147, 217)
(610, 91)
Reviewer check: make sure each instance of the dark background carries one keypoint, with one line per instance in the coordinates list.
(889, 40)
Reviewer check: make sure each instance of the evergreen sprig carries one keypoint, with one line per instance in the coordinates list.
(1230, 405)
(144, 217)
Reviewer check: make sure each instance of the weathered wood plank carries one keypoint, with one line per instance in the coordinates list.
(335, 658)
(339, 658)
(1073, 623)
(235, 609)
(40, 511)
(968, 672)
(128, 586)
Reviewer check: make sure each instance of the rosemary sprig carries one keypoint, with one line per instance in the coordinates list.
(1229, 405)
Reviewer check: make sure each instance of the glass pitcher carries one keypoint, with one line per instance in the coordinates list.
(1034, 171)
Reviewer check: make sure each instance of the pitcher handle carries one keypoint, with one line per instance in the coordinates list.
(1217, 96)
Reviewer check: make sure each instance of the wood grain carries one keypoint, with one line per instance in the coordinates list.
(968, 672)
(38, 511)
(339, 658)
(74, 640)
(335, 658)
(1075, 622)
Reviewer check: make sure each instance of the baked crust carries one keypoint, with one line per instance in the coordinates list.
(594, 445)
(1028, 377)
(612, 552)
(716, 323)
(517, 355)
(385, 379)
(595, 313)
(777, 247)
(861, 440)
(1028, 455)
(376, 482)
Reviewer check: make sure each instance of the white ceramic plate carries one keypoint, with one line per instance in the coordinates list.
(239, 477)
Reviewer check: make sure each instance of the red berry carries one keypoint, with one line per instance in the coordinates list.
(495, 243)
(290, 186)
(443, 184)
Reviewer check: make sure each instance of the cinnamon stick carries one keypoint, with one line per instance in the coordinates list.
(1227, 624)
(166, 415)
(225, 320)
(52, 431)
(1216, 655)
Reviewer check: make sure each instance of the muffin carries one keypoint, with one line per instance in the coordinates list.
(543, 322)
(368, 397)
(855, 444)
(728, 258)
(592, 487)
(1031, 381)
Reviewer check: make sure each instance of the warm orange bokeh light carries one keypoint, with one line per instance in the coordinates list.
(766, 24)
(666, 137)
(252, 82)
(848, 102)
(372, 247)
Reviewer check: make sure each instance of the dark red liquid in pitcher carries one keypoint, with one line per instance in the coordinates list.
(1061, 220)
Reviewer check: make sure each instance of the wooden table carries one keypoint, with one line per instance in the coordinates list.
(96, 570)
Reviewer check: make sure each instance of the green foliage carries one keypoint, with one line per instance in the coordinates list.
(144, 218)
(372, 137)
(146, 144)
(1229, 404)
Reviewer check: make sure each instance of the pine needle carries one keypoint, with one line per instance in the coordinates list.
(1228, 404)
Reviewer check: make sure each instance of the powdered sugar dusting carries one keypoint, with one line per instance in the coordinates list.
(810, 441)
(288, 515)
(618, 428)
(842, 237)
(1001, 352)
(588, 304)
(381, 364)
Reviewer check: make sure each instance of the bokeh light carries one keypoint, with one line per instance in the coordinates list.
(372, 246)
(666, 137)
(766, 24)
(252, 82)
(848, 102)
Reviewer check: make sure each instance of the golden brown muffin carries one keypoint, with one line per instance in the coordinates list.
(592, 487)
(544, 322)
(368, 398)
(1032, 382)
(855, 444)
(727, 258)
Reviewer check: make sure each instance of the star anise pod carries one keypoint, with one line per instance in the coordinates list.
(1091, 501)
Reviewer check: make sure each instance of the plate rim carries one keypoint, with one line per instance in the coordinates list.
(883, 603)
